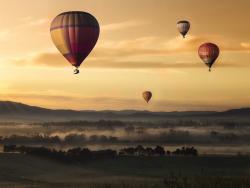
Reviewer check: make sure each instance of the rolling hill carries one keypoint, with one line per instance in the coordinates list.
(13, 111)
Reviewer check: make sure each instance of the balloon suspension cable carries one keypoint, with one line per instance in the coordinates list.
(76, 71)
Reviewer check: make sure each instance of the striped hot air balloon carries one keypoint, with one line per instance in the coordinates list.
(183, 26)
(75, 34)
(147, 95)
(209, 52)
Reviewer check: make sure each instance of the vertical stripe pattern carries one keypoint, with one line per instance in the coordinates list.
(209, 52)
(183, 27)
(75, 35)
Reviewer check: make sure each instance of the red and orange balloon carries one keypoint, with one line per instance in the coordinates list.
(209, 52)
(147, 95)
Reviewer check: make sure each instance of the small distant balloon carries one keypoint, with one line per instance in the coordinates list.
(147, 95)
(209, 52)
(183, 26)
(75, 34)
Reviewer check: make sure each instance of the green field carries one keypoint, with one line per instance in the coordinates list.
(18, 170)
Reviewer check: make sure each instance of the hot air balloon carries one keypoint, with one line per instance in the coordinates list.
(209, 52)
(147, 95)
(183, 26)
(75, 34)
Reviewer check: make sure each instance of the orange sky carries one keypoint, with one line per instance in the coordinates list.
(139, 49)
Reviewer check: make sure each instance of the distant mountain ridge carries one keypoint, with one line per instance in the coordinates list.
(12, 111)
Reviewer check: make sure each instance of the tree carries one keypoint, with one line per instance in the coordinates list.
(159, 151)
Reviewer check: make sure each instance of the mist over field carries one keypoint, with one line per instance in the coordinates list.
(37, 143)
(222, 133)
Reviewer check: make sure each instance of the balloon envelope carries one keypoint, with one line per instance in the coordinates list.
(209, 52)
(75, 34)
(147, 95)
(183, 26)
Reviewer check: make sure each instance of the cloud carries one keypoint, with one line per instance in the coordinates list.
(4, 35)
(39, 22)
(145, 65)
(140, 53)
(30, 21)
(16, 32)
(109, 103)
(31, 96)
(56, 60)
(123, 25)
(245, 45)
(43, 59)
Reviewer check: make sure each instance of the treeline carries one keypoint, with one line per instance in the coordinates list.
(171, 123)
(157, 151)
(168, 123)
(71, 139)
(71, 155)
(138, 136)
(85, 154)
(103, 124)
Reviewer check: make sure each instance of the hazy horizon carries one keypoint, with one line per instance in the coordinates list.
(139, 49)
(128, 109)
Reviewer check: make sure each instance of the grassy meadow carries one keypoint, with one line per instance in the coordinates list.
(18, 170)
